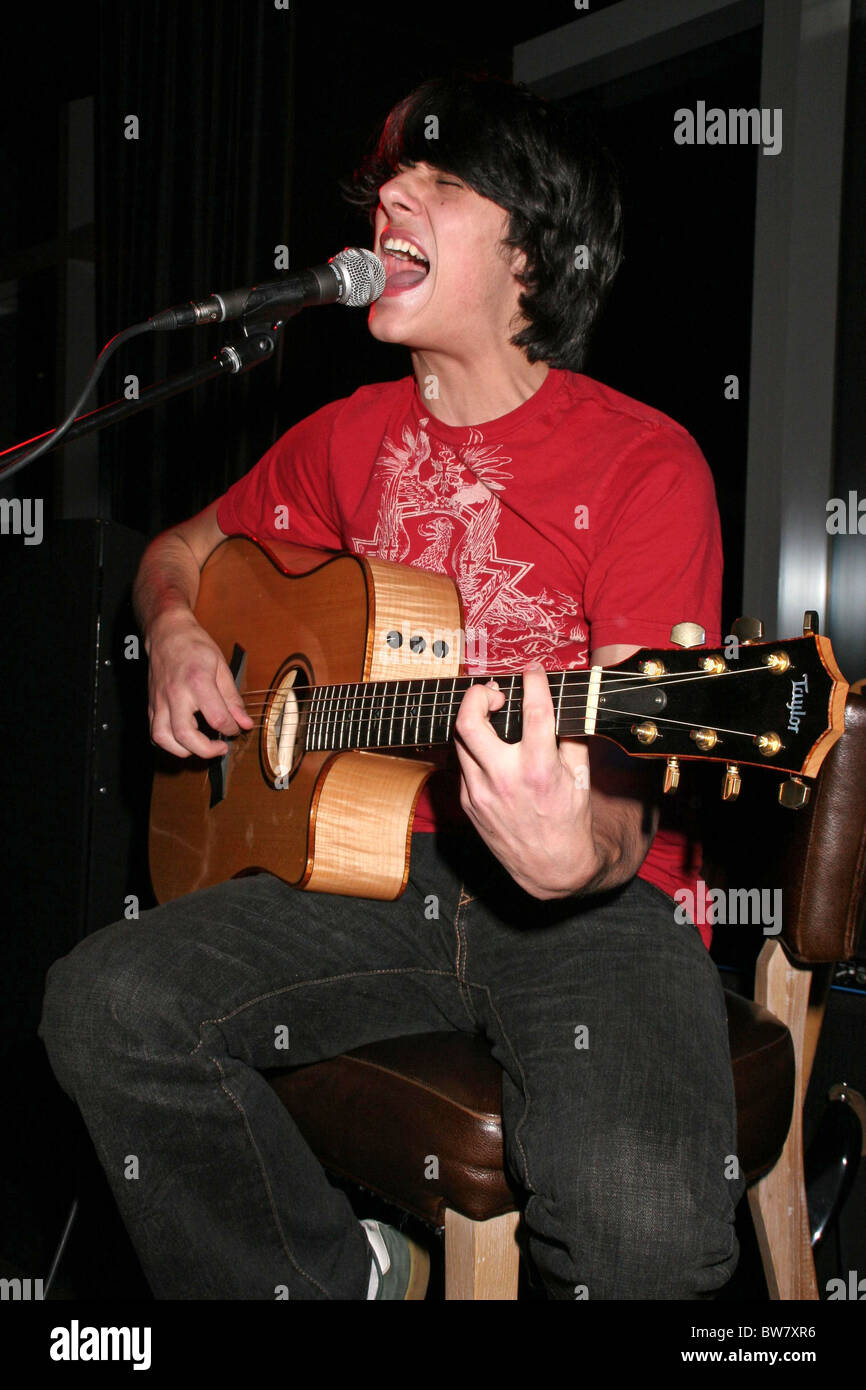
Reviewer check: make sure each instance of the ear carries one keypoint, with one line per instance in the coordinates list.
(517, 262)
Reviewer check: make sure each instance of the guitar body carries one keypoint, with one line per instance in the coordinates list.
(286, 617)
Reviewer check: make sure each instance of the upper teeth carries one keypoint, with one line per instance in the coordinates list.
(397, 244)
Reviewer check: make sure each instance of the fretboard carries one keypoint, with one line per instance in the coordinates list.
(401, 714)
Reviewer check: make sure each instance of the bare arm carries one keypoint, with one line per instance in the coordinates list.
(168, 575)
(187, 671)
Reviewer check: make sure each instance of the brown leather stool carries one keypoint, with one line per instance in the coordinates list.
(417, 1119)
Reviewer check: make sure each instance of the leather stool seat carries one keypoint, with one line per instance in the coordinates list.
(380, 1115)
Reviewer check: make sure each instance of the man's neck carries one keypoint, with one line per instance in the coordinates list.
(461, 393)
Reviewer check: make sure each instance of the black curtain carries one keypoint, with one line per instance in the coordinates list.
(198, 201)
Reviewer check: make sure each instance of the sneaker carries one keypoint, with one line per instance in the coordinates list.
(400, 1267)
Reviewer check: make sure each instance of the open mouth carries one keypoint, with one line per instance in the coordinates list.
(405, 265)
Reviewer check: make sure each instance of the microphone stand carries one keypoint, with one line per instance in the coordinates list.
(257, 344)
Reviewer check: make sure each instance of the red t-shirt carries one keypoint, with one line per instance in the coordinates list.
(578, 520)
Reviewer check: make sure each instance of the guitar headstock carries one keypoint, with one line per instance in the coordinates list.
(748, 703)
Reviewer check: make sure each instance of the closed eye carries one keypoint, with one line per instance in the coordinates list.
(450, 182)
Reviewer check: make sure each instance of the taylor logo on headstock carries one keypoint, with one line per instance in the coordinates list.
(797, 705)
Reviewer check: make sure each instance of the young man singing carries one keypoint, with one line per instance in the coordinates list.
(579, 526)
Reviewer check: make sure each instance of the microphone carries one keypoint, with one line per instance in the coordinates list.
(354, 277)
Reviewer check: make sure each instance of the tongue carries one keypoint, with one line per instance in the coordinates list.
(405, 279)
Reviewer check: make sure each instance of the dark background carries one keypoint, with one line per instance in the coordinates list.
(235, 158)
(248, 117)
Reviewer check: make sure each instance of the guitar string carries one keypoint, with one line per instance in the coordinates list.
(657, 719)
(417, 718)
(340, 718)
(421, 742)
(431, 704)
(435, 702)
(619, 685)
(610, 678)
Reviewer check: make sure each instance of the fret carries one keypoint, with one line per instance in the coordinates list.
(558, 724)
(339, 708)
(352, 703)
(508, 706)
(354, 713)
(380, 701)
(331, 721)
(364, 716)
(393, 715)
(320, 732)
(323, 715)
(360, 705)
(329, 718)
(405, 715)
(433, 711)
(309, 738)
(421, 694)
(370, 705)
(345, 718)
(449, 723)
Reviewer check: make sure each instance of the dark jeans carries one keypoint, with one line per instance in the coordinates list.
(606, 1016)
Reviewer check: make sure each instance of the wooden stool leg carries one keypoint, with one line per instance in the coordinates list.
(778, 1200)
(783, 1233)
(482, 1258)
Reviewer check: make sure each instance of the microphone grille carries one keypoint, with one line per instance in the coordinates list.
(363, 276)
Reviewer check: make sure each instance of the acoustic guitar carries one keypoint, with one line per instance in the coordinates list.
(353, 670)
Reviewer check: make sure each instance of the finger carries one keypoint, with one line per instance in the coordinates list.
(182, 740)
(538, 740)
(167, 741)
(472, 728)
(181, 723)
(217, 713)
(211, 701)
(234, 701)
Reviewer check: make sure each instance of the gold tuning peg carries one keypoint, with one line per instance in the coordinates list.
(794, 794)
(688, 635)
(748, 630)
(811, 625)
(732, 783)
(672, 775)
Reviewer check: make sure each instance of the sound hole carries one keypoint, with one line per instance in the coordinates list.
(282, 737)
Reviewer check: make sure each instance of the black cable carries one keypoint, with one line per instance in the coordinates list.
(96, 372)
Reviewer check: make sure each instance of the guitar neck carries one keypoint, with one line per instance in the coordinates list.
(772, 704)
(401, 714)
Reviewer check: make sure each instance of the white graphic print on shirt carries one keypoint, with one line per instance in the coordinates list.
(439, 511)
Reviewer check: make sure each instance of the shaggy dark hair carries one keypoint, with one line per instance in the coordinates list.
(553, 178)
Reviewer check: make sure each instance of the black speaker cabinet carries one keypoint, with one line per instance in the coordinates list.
(76, 753)
(75, 791)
